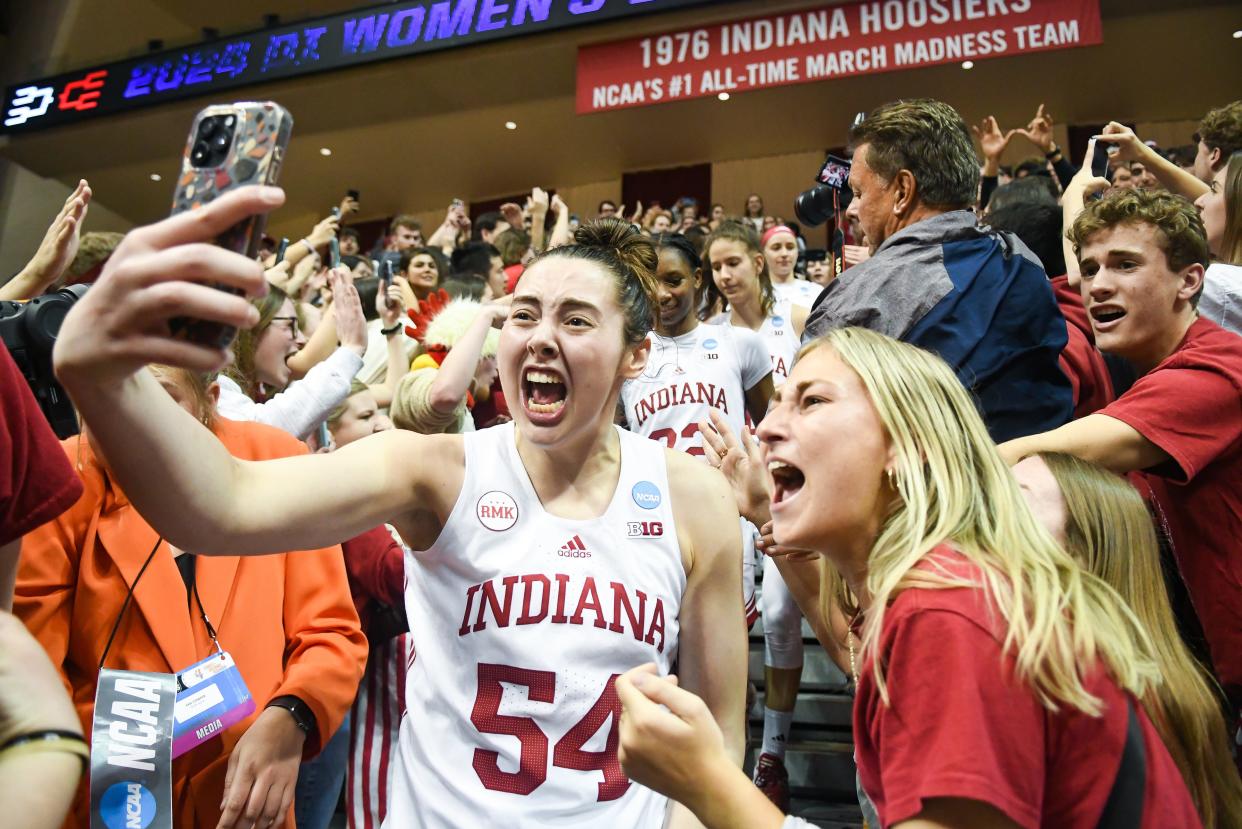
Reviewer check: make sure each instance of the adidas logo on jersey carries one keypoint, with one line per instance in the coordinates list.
(573, 548)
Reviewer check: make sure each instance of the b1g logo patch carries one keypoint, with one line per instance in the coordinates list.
(497, 510)
(646, 495)
(644, 529)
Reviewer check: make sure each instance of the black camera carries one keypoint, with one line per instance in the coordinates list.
(29, 331)
(830, 195)
(215, 136)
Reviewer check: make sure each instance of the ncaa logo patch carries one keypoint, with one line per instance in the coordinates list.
(646, 495)
(777, 322)
(710, 344)
(127, 804)
(497, 510)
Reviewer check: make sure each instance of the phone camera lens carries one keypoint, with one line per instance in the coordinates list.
(199, 154)
(221, 141)
(207, 128)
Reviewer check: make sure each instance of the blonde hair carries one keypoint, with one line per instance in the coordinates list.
(356, 386)
(1109, 531)
(954, 487)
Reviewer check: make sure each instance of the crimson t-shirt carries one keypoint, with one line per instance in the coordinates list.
(1190, 405)
(959, 724)
(37, 483)
(1081, 361)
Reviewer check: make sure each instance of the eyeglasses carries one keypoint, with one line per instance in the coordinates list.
(292, 323)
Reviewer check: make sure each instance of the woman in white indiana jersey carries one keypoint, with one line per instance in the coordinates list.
(557, 554)
(740, 271)
(693, 368)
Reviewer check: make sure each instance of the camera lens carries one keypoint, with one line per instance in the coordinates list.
(199, 153)
(207, 128)
(221, 141)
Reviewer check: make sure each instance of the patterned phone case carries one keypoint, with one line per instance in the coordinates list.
(258, 151)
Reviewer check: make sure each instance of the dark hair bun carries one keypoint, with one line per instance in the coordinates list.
(631, 248)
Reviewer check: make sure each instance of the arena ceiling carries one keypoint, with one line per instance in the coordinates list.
(413, 133)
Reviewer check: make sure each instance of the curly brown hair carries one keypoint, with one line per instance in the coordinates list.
(1180, 232)
(1221, 129)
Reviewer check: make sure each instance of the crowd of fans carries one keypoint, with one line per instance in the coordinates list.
(988, 445)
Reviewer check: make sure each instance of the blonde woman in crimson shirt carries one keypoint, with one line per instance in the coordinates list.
(997, 680)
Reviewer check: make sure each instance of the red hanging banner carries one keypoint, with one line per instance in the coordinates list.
(824, 42)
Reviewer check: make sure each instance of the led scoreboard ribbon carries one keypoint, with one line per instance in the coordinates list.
(378, 33)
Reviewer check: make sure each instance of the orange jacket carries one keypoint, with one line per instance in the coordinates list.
(287, 619)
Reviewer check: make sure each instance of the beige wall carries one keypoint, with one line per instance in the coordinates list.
(777, 178)
(583, 199)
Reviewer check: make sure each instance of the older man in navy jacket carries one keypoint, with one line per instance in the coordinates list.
(978, 298)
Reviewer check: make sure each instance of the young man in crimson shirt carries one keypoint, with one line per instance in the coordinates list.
(1142, 256)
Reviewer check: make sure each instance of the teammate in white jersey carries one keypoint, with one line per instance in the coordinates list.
(740, 274)
(780, 249)
(740, 270)
(695, 367)
(518, 718)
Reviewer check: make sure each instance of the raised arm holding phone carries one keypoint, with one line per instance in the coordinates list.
(575, 332)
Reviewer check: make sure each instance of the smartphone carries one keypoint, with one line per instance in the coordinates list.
(385, 274)
(1099, 158)
(334, 252)
(229, 146)
(353, 194)
(282, 249)
(457, 203)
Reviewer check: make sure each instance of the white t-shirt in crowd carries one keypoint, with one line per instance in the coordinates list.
(1221, 300)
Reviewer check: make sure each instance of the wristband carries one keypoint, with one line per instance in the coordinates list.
(388, 332)
(67, 742)
(302, 715)
(1053, 153)
(309, 246)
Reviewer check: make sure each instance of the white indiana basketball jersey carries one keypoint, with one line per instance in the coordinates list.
(778, 332)
(710, 367)
(521, 622)
(798, 291)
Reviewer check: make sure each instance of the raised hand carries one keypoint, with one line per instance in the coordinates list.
(1129, 147)
(991, 140)
(351, 323)
(56, 251)
(324, 232)
(539, 202)
(1039, 131)
(513, 215)
(742, 464)
(390, 304)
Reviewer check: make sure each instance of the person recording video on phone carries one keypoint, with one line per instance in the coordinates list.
(915, 176)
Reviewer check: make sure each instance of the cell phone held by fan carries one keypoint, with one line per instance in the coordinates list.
(229, 146)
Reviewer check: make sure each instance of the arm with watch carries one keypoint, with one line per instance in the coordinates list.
(324, 654)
